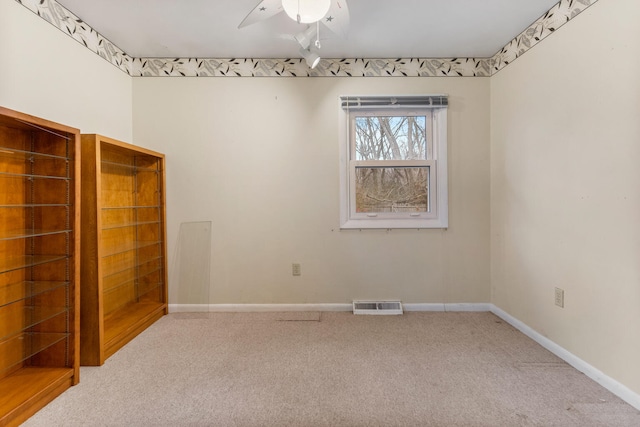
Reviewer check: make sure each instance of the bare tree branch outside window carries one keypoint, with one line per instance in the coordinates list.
(397, 188)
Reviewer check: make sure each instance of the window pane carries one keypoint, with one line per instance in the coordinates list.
(397, 189)
(391, 138)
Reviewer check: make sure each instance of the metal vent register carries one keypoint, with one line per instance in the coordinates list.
(377, 307)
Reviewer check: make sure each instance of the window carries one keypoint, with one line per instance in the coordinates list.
(393, 170)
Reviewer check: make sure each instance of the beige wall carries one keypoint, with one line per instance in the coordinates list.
(43, 72)
(565, 194)
(259, 158)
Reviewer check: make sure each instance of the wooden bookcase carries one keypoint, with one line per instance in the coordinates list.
(39, 271)
(124, 275)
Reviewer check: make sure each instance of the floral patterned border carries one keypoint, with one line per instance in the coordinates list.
(294, 67)
(63, 19)
(547, 24)
(57, 15)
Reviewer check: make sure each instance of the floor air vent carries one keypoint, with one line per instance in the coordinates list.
(377, 307)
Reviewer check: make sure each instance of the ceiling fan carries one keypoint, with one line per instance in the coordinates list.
(333, 14)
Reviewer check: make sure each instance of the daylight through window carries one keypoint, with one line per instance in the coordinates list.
(394, 162)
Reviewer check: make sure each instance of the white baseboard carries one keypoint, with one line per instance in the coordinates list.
(256, 308)
(447, 307)
(248, 308)
(598, 376)
(188, 308)
(468, 307)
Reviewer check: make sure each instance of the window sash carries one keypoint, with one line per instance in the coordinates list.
(429, 123)
(432, 186)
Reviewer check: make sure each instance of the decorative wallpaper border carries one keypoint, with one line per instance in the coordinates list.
(70, 24)
(296, 67)
(547, 24)
(60, 17)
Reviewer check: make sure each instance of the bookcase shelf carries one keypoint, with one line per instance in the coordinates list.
(14, 292)
(20, 262)
(39, 269)
(124, 285)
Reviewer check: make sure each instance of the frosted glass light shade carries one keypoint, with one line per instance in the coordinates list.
(306, 37)
(309, 10)
(311, 57)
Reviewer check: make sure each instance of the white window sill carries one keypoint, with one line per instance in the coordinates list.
(393, 223)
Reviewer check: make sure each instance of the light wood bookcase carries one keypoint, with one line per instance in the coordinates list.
(124, 275)
(39, 271)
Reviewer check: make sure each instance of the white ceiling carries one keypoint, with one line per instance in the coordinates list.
(379, 28)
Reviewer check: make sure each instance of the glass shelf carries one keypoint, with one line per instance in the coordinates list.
(128, 280)
(129, 224)
(23, 234)
(130, 207)
(25, 163)
(144, 272)
(130, 167)
(23, 261)
(147, 289)
(25, 345)
(12, 153)
(141, 269)
(32, 176)
(24, 290)
(34, 190)
(38, 205)
(130, 246)
(110, 289)
(126, 266)
(31, 316)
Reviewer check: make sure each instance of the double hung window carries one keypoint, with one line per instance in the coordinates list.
(394, 161)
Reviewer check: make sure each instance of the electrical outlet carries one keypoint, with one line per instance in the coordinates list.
(296, 270)
(559, 297)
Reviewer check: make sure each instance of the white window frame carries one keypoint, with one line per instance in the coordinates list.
(437, 217)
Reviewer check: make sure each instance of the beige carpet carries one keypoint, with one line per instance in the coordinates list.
(334, 369)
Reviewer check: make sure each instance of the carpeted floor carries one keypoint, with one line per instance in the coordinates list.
(334, 369)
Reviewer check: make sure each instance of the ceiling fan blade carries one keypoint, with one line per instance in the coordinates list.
(265, 9)
(337, 19)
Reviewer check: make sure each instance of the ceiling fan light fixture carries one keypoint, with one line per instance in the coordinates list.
(304, 38)
(306, 11)
(311, 57)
